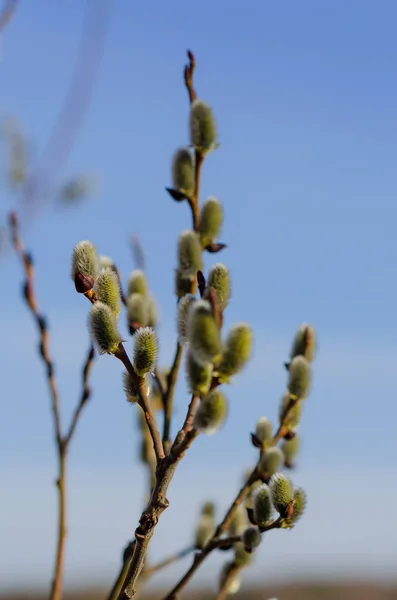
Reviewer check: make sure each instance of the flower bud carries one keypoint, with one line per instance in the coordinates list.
(131, 391)
(290, 449)
(202, 127)
(189, 253)
(183, 309)
(137, 283)
(208, 509)
(299, 377)
(251, 538)
(107, 289)
(264, 431)
(183, 171)
(211, 218)
(237, 351)
(239, 522)
(219, 280)
(211, 413)
(281, 492)
(271, 461)
(183, 283)
(145, 351)
(204, 530)
(105, 262)
(233, 582)
(137, 309)
(152, 311)
(304, 343)
(203, 332)
(103, 328)
(199, 375)
(85, 265)
(242, 557)
(263, 507)
(294, 416)
(299, 504)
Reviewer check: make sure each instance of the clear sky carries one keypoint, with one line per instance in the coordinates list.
(305, 97)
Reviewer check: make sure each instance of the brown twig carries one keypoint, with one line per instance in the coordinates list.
(62, 442)
(7, 13)
(168, 561)
(223, 526)
(168, 396)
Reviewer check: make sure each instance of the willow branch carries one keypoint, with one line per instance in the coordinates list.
(168, 561)
(85, 394)
(168, 396)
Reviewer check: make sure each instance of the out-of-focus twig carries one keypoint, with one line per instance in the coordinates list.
(7, 13)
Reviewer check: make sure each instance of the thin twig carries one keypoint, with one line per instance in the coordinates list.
(62, 442)
(7, 13)
(169, 561)
(168, 397)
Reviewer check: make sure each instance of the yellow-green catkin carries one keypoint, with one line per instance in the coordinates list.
(299, 377)
(219, 280)
(299, 504)
(264, 431)
(137, 283)
(130, 388)
(208, 509)
(183, 171)
(103, 327)
(152, 311)
(145, 350)
(211, 219)
(281, 492)
(107, 289)
(290, 449)
(305, 343)
(234, 582)
(203, 332)
(183, 310)
(202, 127)
(251, 538)
(199, 375)
(105, 262)
(137, 309)
(183, 283)
(239, 522)
(237, 350)
(271, 461)
(294, 416)
(242, 557)
(84, 261)
(262, 505)
(204, 530)
(189, 253)
(211, 413)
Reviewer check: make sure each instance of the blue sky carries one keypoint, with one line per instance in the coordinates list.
(305, 98)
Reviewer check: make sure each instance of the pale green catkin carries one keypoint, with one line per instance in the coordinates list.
(131, 392)
(211, 413)
(85, 260)
(299, 377)
(208, 509)
(145, 350)
(237, 350)
(219, 280)
(234, 583)
(107, 289)
(189, 253)
(263, 508)
(264, 430)
(204, 530)
(294, 415)
(305, 343)
(251, 538)
(183, 309)
(202, 127)
(137, 283)
(290, 449)
(199, 375)
(103, 327)
(183, 171)
(105, 261)
(152, 311)
(281, 491)
(137, 309)
(271, 461)
(211, 219)
(300, 502)
(239, 522)
(242, 557)
(183, 283)
(203, 332)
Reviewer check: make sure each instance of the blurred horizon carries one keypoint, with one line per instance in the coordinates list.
(305, 100)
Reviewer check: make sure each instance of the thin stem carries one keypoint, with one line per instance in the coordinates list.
(57, 582)
(169, 561)
(168, 397)
(85, 394)
(127, 555)
(7, 13)
(191, 411)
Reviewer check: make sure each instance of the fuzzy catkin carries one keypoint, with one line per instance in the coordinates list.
(183, 171)
(203, 332)
(145, 350)
(85, 260)
(202, 127)
(103, 327)
(211, 219)
(237, 350)
(107, 289)
(219, 280)
(211, 413)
